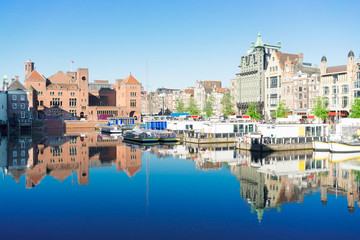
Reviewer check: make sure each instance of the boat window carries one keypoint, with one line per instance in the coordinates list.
(318, 131)
(241, 128)
(235, 128)
(251, 128)
(307, 131)
(246, 128)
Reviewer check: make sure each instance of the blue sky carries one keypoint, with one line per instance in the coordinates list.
(184, 41)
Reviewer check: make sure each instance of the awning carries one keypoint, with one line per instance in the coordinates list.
(332, 114)
(245, 116)
(311, 117)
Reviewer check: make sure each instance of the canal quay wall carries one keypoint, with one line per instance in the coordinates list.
(81, 126)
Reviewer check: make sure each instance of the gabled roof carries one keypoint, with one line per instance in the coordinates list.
(16, 85)
(131, 171)
(130, 79)
(35, 75)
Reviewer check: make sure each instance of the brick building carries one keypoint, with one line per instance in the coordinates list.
(70, 95)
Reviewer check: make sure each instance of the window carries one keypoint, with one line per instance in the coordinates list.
(55, 102)
(22, 114)
(14, 162)
(72, 102)
(14, 106)
(41, 103)
(273, 81)
(335, 78)
(22, 97)
(23, 153)
(60, 93)
(356, 93)
(345, 101)
(133, 94)
(40, 92)
(73, 112)
(326, 102)
(51, 93)
(14, 98)
(14, 153)
(345, 88)
(334, 100)
(335, 89)
(72, 93)
(132, 102)
(300, 89)
(22, 161)
(326, 90)
(22, 106)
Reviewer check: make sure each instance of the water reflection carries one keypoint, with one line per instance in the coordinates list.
(267, 181)
(63, 157)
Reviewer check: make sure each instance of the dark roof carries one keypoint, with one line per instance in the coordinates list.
(335, 69)
(351, 54)
(323, 59)
(16, 85)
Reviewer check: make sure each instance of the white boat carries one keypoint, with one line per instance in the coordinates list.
(111, 129)
(321, 146)
(321, 155)
(344, 147)
(342, 157)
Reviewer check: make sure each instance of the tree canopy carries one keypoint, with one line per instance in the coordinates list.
(253, 111)
(193, 107)
(179, 106)
(227, 104)
(209, 106)
(281, 110)
(355, 109)
(320, 110)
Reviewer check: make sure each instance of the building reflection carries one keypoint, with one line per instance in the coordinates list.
(267, 181)
(65, 156)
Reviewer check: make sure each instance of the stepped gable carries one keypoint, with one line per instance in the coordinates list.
(61, 77)
(283, 57)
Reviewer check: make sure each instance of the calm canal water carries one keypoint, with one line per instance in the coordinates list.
(96, 187)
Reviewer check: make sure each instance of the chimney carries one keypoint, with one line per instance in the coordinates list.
(17, 78)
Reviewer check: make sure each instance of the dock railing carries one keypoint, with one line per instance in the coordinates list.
(288, 140)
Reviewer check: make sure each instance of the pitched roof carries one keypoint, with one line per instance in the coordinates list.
(222, 90)
(283, 57)
(16, 85)
(130, 79)
(334, 69)
(60, 77)
(189, 91)
(131, 171)
(62, 86)
(35, 75)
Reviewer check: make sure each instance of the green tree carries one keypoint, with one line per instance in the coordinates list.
(253, 111)
(193, 107)
(355, 109)
(281, 110)
(227, 104)
(179, 105)
(320, 110)
(209, 106)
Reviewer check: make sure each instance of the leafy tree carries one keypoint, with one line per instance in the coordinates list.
(209, 106)
(281, 110)
(193, 107)
(320, 110)
(179, 105)
(355, 109)
(227, 104)
(253, 111)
